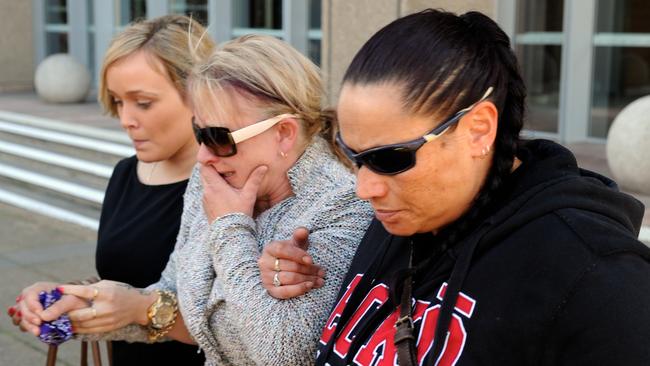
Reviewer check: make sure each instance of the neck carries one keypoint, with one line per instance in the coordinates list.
(177, 167)
(279, 193)
(282, 189)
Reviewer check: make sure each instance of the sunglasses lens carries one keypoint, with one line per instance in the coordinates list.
(220, 141)
(390, 160)
(216, 139)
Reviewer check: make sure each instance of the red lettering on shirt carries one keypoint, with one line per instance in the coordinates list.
(333, 320)
(379, 349)
(375, 298)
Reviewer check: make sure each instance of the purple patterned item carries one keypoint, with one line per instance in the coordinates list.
(59, 330)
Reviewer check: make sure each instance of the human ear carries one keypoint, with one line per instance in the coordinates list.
(482, 123)
(287, 132)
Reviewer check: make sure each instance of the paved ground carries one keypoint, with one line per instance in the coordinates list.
(34, 248)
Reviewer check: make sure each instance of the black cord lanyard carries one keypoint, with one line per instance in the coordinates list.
(404, 339)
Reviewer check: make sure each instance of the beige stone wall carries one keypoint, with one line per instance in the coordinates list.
(16, 45)
(487, 7)
(348, 24)
(346, 27)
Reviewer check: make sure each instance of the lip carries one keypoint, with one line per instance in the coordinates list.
(386, 215)
(138, 143)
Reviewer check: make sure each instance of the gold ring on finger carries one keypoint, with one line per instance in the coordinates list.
(276, 267)
(95, 293)
(276, 280)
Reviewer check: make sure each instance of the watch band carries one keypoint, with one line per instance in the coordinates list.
(166, 302)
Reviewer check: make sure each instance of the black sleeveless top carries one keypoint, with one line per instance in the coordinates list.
(137, 233)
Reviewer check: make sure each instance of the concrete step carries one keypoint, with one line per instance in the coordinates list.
(85, 173)
(89, 155)
(65, 127)
(66, 139)
(57, 168)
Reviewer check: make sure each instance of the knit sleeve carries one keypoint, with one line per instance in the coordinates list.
(192, 207)
(282, 332)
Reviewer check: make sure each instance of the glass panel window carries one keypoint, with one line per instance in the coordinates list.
(315, 34)
(315, 13)
(628, 16)
(621, 75)
(539, 51)
(91, 37)
(130, 10)
(265, 14)
(56, 27)
(541, 66)
(56, 43)
(540, 16)
(621, 71)
(56, 12)
(90, 7)
(197, 9)
(315, 50)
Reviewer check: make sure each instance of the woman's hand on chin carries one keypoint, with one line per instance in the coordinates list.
(220, 198)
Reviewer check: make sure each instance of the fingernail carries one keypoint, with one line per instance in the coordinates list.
(19, 314)
(321, 273)
(309, 285)
(306, 259)
(320, 282)
(11, 311)
(60, 289)
(20, 297)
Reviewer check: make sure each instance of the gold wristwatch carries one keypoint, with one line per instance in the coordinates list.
(162, 315)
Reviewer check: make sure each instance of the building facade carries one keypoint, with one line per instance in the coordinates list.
(582, 61)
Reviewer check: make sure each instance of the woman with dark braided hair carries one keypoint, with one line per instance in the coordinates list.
(486, 249)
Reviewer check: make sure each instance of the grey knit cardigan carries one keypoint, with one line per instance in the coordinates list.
(214, 270)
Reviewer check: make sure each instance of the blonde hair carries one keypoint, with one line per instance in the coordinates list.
(168, 39)
(279, 77)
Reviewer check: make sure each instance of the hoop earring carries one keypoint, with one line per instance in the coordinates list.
(283, 154)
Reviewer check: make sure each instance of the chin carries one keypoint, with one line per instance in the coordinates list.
(399, 228)
(146, 157)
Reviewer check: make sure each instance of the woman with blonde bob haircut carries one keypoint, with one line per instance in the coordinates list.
(266, 164)
(143, 83)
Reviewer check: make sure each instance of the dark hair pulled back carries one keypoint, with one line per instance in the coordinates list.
(443, 63)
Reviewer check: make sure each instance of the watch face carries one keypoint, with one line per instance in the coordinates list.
(164, 315)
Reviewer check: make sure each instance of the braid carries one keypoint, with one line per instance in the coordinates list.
(507, 139)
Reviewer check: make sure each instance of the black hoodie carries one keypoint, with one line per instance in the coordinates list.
(555, 276)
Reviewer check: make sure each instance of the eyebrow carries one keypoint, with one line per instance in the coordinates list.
(135, 92)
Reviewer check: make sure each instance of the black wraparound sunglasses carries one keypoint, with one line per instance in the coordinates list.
(223, 143)
(397, 158)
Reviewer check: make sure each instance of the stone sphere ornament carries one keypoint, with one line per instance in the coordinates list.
(628, 146)
(61, 79)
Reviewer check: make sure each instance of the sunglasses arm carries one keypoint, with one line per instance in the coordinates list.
(257, 128)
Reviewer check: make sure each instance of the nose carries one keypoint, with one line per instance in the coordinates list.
(205, 156)
(370, 185)
(127, 118)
